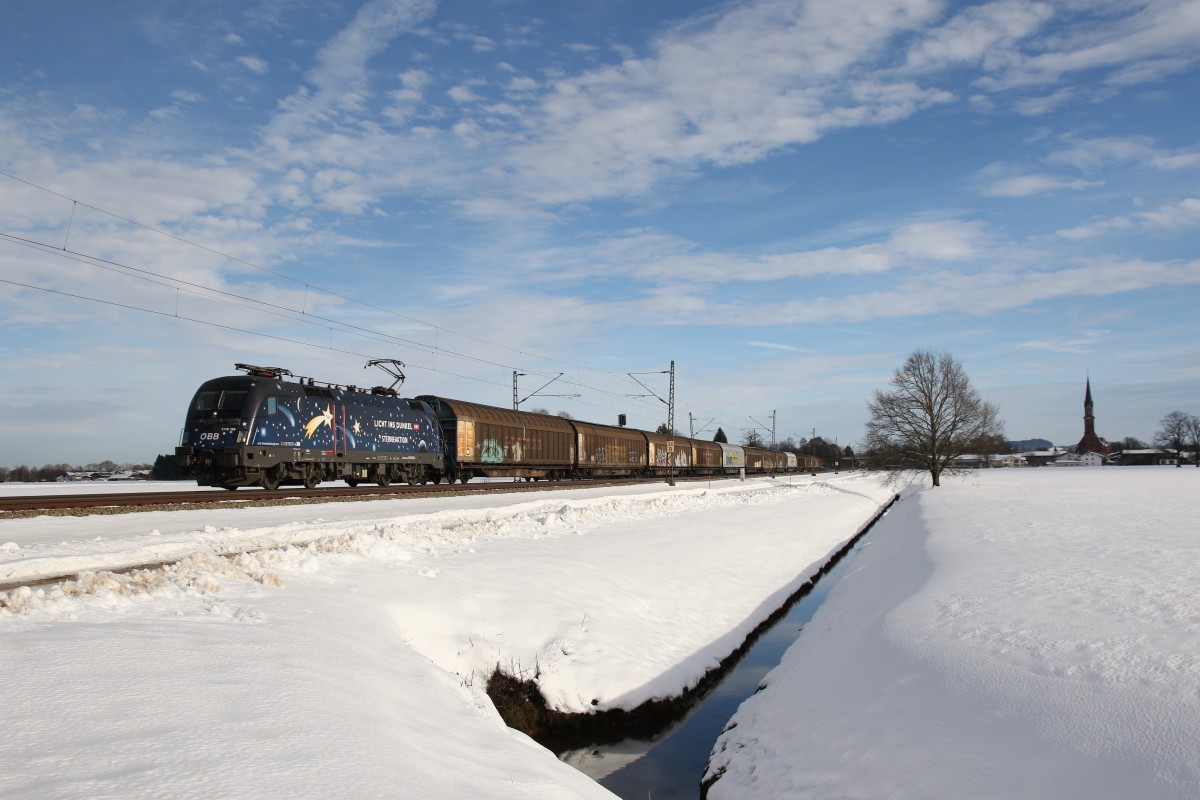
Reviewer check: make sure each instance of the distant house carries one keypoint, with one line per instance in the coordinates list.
(968, 461)
(1040, 458)
(1088, 459)
(1144, 458)
(1007, 460)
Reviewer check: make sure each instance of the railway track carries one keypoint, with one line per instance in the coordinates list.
(124, 502)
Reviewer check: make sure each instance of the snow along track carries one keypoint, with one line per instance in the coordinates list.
(31, 575)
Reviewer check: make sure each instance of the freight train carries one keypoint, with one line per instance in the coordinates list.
(269, 427)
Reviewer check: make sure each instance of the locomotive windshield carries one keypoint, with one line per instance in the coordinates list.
(225, 403)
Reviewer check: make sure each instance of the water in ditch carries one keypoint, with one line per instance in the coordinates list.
(670, 765)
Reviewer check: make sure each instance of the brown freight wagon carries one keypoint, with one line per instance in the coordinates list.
(668, 455)
(768, 461)
(706, 457)
(605, 450)
(496, 442)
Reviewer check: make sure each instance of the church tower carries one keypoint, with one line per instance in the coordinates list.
(1090, 441)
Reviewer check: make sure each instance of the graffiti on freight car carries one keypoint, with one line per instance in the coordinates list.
(663, 459)
(490, 452)
(517, 451)
(612, 456)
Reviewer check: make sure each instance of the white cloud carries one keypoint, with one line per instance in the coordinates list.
(776, 346)
(724, 91)
(340, 75)
(648, 256)
(981, 293)
(463, 93)
(985, 35)
(1046, 104)
(1182, 215)
(1134, 42)
(253, 64)
(997, 180)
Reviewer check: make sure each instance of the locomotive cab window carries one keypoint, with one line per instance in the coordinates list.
(207, 401)
(227, 403)
(272, 405)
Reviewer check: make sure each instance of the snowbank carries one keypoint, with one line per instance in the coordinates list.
(1014, 633)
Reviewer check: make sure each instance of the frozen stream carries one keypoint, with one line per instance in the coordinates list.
(669, 766)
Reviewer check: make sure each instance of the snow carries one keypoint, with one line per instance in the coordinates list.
(1015, 633)
(342, 649)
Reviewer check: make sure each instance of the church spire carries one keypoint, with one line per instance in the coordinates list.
(1090, 441)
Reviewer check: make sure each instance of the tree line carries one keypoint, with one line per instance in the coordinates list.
(164, 468)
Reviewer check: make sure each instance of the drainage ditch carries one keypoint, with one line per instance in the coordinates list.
(661, 749)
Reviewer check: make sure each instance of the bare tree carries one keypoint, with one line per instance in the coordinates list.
(931, 416)
(1130, 443)
(1173, 434)
(1193, 437)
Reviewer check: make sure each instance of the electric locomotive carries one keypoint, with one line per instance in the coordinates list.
(270, 427)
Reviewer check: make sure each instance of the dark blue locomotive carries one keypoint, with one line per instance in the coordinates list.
(269, 427)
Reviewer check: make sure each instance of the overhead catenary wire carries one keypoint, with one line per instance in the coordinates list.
(275, 309)
(325, 324)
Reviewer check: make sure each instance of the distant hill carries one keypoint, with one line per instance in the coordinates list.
(1026, 445)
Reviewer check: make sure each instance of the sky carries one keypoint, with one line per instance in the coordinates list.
(784, 199)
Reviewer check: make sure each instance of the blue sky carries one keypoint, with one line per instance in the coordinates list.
(784, 198)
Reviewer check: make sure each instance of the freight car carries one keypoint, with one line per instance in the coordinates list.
(492, 442)
(269, 427)
(496, 442)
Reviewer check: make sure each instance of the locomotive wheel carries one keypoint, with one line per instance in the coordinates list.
(311, 480)
(351, 482)
(383, 479)
(270, 480)
(231, 488)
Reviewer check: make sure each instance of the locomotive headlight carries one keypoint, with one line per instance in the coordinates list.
(241, 437)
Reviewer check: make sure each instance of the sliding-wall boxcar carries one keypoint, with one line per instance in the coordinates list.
(493, 442)
(707, 458)
(733, 458)
(760, 460)
(668, 455)
(603, 450)
(807, 463)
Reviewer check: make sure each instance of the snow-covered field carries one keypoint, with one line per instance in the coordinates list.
(341, 650)
(1012, 634)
